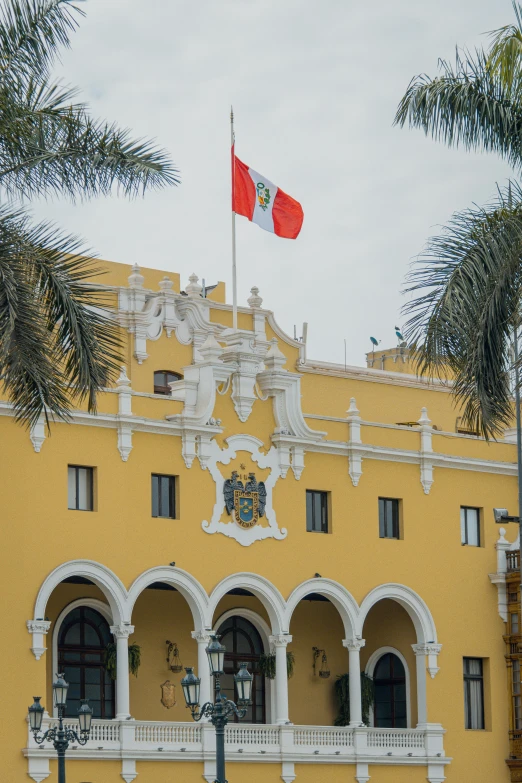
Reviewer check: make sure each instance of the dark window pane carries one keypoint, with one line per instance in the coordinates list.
(87, 679)
(388, 518)
(71, 656)
(382, 670)
(91, 638)
(164, 497)
(73, 635)
(243, 643)
(390, 707)
(316, 511)
(473, 693)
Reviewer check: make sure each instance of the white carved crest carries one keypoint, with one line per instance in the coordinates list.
(267, 527)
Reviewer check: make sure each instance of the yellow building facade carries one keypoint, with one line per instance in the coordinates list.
(230, 483)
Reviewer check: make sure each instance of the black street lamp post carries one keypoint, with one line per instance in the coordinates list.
(222, 709)
(59, 735)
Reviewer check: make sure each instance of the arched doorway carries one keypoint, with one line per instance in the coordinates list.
(244, 644)
(390, 706)
(84, 635)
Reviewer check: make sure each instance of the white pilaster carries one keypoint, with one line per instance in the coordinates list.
(354, 440)
(121, 633)
(124, 389)
(354, 678)
(499, 579)
(279, 642)
(426, 451)
(203, 639)
(432, 650)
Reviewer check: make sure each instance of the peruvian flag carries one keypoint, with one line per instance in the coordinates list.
(262, 202)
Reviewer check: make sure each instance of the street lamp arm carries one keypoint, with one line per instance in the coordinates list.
(232, 709)
(206, 711)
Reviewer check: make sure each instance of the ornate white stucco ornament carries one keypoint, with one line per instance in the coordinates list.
(266, 526)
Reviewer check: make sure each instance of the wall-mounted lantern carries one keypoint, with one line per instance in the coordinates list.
(324, 671)
(173, 660)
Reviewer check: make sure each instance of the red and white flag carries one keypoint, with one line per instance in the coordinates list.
(262, 202)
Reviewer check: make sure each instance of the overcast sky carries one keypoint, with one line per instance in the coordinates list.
(315, 85)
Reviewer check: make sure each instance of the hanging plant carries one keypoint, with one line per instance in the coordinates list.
(109, 659)
(267, 665)
(342, 693)
(290, 663)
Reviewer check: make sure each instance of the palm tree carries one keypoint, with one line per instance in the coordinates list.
(468, 282)
(58, 344)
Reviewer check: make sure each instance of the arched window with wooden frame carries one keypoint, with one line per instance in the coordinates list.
(244, 644)
(389, 680)
(162, 378)
(83, 638)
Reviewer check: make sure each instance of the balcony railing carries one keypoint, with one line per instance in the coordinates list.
(190, 741)
(513, 560)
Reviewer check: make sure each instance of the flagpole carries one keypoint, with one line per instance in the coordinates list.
(234, 273)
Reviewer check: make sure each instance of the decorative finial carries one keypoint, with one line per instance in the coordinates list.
(166, 284)
(353, 410)
(123, 380)
(254, 300)
(424, 420)
(194, 289)
(136, 279)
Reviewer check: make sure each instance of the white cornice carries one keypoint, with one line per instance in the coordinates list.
(339, 448)
(374, 376)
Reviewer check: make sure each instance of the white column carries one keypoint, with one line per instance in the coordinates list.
(203, 639)
(279, 643)
(121, 633)
(354, 678)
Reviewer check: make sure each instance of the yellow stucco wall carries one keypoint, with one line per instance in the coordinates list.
(41, 533)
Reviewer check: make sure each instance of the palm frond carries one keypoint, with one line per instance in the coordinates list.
(505, 55)
(57, 343)
(470, 276)
(30, 33)
(467, 105)
(49, 145)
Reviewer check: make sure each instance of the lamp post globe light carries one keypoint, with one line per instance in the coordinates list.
(222, 709)
(59, 735)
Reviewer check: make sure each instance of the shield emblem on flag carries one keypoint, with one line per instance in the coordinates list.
(168, 694)
(246, 508)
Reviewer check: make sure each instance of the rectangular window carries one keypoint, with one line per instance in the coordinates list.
(80, 488)
(316, 511)
(470, 526)
(388, 518)
(514, 623)
(517, 699)
(473, 693)
(163, 496)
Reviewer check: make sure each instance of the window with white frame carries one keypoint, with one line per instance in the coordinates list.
(469, 526)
